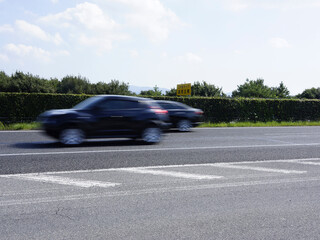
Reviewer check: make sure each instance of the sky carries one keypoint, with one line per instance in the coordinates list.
(164, 42)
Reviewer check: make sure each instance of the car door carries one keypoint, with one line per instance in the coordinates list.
(116, 117)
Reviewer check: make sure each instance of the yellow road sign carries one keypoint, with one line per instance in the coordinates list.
(184, 89)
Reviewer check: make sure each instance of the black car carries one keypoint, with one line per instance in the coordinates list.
(182, 116)
(107, 116)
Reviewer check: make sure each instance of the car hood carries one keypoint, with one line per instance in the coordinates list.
(57, 112)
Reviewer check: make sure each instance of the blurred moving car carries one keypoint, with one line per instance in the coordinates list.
(182, 116)
(107, 116)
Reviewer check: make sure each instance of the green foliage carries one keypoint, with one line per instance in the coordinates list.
(152, 93)
(17, 107)
(26, 107)
(74, 85)
(172, 92)
(281, 91)
(312, 93)
(117, 87)
(253, 110)
(257, 89)
(206, 90)
(201, 89)
(21, 82)
(28, 83)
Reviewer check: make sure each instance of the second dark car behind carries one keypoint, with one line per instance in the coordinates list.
(182, 117)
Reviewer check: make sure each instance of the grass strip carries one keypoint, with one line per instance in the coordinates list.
(261, 124)
(20, 126)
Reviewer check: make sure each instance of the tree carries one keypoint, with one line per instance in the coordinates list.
(257, 89)
(203, 89)
(152, 93)
(281, 91)
(119, 88)
(76, 85)
(206, 90)
(312, 93)
(21, 82)
(4, 82)
(172, 92)
(254, 89)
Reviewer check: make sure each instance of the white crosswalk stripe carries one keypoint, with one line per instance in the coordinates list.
(62, 180)
(170, 174)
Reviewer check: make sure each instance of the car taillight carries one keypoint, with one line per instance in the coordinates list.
(159, 111)
(199, 112)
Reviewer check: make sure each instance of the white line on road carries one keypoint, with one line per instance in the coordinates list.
(308, 163)
(262, 169)
(155, 149)
(170, 174)
(78, 197)
(174, 166)
(61, 180)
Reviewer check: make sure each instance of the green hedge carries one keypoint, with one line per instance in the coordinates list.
(17, 107)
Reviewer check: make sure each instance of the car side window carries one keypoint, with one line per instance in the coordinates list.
(115, 104)
(171, 106)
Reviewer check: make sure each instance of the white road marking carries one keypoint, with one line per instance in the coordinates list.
(157, 149)
(170, 174)
(61, 180)
(308, 163)
(262, 169)
(87, 196)
(174, 166)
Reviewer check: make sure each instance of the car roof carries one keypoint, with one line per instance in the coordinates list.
(124, 97)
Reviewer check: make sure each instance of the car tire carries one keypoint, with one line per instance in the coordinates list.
(151, 135)
(184, 125)
(72, 136)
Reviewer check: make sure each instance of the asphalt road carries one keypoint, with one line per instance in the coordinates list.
(27, 152)
(235, 183)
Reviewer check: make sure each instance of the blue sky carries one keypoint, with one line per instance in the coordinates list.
(164, 42)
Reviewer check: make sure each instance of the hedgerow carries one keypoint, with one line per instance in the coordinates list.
(25, 107)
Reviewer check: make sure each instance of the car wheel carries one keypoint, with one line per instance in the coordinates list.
(151, 135)
(184, 125)
(72, 136)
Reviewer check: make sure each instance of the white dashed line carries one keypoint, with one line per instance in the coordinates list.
(170, 174)
(61, 180)
(262, 169)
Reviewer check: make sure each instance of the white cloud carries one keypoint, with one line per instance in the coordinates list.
(6, 28)
(64, 53)
(35, 31)
(21, 50)
(279, 43)
(134, 53)
(4, 57)
(86, 14)
(152, 18)
(191, 58)
(240, 5)
(88, 25)
(32, 30)
(237, 5)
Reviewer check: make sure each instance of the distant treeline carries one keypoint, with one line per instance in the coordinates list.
(27, 83)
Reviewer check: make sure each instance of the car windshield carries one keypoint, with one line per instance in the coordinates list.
(87, 103)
